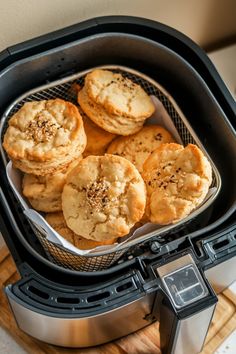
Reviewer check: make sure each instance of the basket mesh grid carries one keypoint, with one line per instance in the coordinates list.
(56, 253)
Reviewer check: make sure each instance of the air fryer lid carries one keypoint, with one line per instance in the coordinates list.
(164, 66)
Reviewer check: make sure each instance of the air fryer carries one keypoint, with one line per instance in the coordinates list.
(169, 278)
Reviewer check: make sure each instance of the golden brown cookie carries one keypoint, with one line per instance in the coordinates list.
(177, 181)
(45, 136)
(97, 138)
(57, 222)
(118, 95)
(110, 122)
(74, 89)
(44, 192)
(137, 147)
(103, 198)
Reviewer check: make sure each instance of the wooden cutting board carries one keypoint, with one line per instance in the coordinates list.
(145, 341)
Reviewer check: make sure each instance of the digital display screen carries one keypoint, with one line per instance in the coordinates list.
(184, 285)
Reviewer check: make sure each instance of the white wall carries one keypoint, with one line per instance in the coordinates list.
(205, 21)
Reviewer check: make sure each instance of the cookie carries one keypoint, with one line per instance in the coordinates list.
(177, 180)
(104, 196)
(73, 90)
(45, 136)
(118, 95)
(57, 222)
(97, 138)
(110, 122)
(44, 192)
(137, 147)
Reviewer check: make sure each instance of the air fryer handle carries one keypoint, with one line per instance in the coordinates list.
(184, 333)
(184, 305)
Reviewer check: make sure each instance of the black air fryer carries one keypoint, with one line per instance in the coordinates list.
(167, 277)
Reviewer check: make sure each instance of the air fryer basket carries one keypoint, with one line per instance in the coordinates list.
(63, 89)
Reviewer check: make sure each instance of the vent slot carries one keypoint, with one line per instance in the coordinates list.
(38, 292)
(85, 308)
(98, 297)
(220, 244)
(124, 287)
(68, 300)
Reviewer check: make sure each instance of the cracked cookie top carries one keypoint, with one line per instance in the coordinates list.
(42, 131)
(137, 147)
(115, 124)
(104, 196)
(177, 180)
(118, 95)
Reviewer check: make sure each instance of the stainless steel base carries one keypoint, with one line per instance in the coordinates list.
(81, 332)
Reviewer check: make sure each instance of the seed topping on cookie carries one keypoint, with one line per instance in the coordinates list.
(177, 180)
(41, 129)
(96, 194)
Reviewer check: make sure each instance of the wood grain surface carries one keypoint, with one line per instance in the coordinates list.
(145, 341)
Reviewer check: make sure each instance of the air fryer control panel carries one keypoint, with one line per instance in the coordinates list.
(182, 281)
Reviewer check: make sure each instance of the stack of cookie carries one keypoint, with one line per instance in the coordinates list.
(128, 173)
(45, 139)
(114, 103)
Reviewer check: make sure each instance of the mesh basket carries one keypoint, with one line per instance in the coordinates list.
(63, 89)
